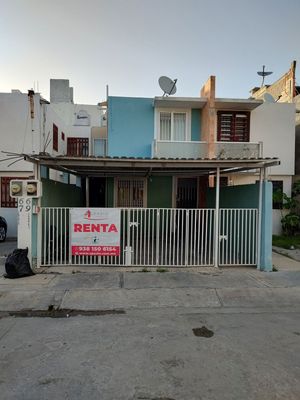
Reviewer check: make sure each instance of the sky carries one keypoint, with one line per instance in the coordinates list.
(129, 44)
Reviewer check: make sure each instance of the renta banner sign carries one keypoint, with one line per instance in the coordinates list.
(95, 231)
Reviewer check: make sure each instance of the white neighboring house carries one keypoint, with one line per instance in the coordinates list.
(30, 124)
(27, 125)
(282, 140)
(86, 122)
(273, 125)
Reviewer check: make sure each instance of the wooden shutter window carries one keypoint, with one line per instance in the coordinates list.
(78, 147)
(233, 126)
(55, 137)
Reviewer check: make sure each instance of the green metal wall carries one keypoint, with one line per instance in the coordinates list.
(242, 196)
(56, 194)
(109, 192)
(160, 192)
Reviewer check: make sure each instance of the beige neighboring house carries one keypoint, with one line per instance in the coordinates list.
(297, 143)
(284, 90)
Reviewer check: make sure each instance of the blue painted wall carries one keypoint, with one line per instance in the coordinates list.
(130, 126)
(266, 229)
(196, 125)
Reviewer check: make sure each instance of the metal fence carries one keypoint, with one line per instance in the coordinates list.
(238, 236)
(159, 237)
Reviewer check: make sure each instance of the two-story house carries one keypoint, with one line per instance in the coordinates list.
(204, 127)
(189, 176)
(28, 124)
(32, 125)
(283, 90)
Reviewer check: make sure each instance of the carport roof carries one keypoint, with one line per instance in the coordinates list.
(124, 166)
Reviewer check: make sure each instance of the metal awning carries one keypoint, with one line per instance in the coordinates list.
(122, 166)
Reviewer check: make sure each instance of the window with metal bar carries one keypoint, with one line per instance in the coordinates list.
(233, 126)
(130, 193)
(55, 138)
(6, 200)
(78, 147)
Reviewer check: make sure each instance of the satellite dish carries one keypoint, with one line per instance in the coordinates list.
(264, 73)
(167, 85)
(268, 98)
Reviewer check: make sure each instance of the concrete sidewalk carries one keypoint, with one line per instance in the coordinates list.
(113, 290)
(100, 288)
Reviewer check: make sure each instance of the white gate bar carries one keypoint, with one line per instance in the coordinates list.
(167, 237)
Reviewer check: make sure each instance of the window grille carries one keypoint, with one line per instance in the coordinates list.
(55, 137)
(233, 126)
(78, 147)
(130, 193)
(6, 200)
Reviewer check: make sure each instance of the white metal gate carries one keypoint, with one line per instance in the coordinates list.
(238, 236)
(159, 237)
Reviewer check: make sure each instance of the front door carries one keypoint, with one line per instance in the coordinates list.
(186, 196)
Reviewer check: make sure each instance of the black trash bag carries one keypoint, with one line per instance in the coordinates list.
(17, 264)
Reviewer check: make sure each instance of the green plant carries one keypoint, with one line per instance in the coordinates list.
(161, 270)
(286, 241)
(296, 188)
(290, 224)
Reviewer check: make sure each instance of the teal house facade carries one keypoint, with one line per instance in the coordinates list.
(174, 167)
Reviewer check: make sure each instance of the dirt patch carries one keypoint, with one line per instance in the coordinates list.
(203, 332)
(154, 398)
(58, 313)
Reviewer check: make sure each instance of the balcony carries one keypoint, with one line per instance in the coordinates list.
(193, 149)
(172, 149)
(238, 150)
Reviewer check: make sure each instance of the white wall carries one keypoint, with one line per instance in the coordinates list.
(18, 132)
(53, 118)
(274, 125)
(67, 112)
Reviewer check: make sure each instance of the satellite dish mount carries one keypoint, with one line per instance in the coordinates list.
(263, 73)
(167, 85)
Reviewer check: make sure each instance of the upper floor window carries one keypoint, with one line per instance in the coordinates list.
(78, 147)
(233, 126)
(55, 138)
(174, 125)
(100, 147)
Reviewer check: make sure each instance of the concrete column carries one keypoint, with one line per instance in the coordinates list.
(217, 211)
(259, 217)
(87, 192)
(265, 224)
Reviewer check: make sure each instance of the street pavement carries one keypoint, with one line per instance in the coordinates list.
(199, 334)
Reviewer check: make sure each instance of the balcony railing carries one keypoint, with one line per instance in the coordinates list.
(191, 149)
(172, 149)
(238, 150)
